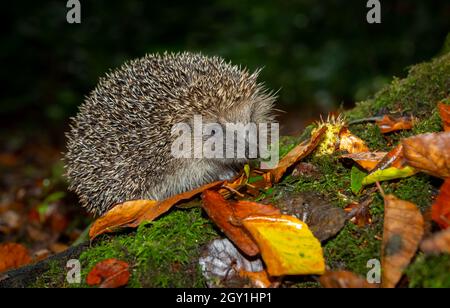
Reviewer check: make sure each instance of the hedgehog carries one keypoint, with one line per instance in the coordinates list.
(119, 142)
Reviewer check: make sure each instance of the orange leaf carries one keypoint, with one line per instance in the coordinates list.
(389, 124)
(429, 153)
(227, 215)
(297, 153)
(437, 243)
(133, 213)
(13, 255)
(350, 143)
(367, 160)
(109, 273)
(403, 231)
(258, 279)
(440, 210)
(344, 279)
(444, 111)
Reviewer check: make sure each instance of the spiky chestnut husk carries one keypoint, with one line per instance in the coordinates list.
(334, 126)
(118, 147)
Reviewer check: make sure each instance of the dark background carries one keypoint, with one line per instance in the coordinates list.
(320, 54)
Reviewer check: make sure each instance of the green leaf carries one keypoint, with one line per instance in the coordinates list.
(356, 178)
(389, 174)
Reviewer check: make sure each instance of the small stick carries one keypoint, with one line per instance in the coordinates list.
(233, 190)
(380, 189)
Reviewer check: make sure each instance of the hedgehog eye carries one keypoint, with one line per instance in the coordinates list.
(213, 132)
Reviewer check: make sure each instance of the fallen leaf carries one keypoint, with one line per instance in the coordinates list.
(388, 174)
(227, 215)
(356, 178)
(13, 255)
(287, 245)
(437, 243)
(389, 124)
(223, 265)
(394, 158)
(440, 210)
(344, 279)
(297, 153)
(133, 213)
(403, 231)
(323, 219)
(367, 160)
(444, 112)
(306, 170)
(350, 143)
(359, 213)
(109, 273)
(429, 153)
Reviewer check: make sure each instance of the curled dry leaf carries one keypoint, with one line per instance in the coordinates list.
(344, 279)
(403, 231)
(297, 153)
(227, 215)
(389, 124)
(440, 210)
(359, 213)
(223, 265)
(13, 255)
(287, 246)
(110, 273)
(394, 158)
(367, 160)
(323, 219)
(437, 243)
(429, 153)
(350, 143)
(133, 213)
(444, 111)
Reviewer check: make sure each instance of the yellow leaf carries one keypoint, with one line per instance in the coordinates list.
(287, 245)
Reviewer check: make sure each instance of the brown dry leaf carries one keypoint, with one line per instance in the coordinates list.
(403, 231)
(389, 124)
(440, 210)
(437, 243)
(360, 212)
(444, 111)
(323, 219)
(429, 153)
(367, 160)
(227, 215)
(13, 255)
(350, 143)
(109, 273)
(133, 213)
(394, 158)
(297, 153)
(344, 279)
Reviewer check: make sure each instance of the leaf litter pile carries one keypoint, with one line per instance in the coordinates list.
(266, 244)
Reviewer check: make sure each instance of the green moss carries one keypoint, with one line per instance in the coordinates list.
(426, 84)
(55, 276)
(430, 272)
(353, 247)
(417, 189)
(163, 253)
